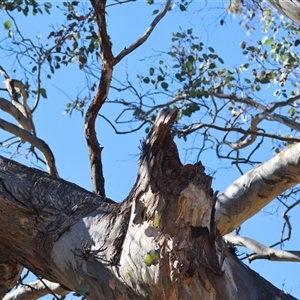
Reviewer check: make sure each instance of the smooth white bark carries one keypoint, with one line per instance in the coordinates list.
(258, 187)
(154, 245)
(261, 251)
(35, 290)
(289, 8)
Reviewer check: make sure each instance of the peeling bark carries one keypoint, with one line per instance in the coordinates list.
(160, 243)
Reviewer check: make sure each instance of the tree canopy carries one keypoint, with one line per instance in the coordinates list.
(230, 100)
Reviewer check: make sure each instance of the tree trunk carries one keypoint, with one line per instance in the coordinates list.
(160, 243)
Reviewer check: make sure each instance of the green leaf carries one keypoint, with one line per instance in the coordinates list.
(182, 7)
(152, 257)
(7, 24)
(150, 2)
(47, 5)
(212, 66)
(148, 260)
(264, 80)
(211, 49)
(229, 78)
(180, 77)
(266, 40)
(156, 220)
(164, 85)
(146, 80)
(10, 33)
(221, 60)
(151, 71)
(243, 45)
(25, 10)
(291, 111)
(191, 58)
(43, 93)
(160, 78)
(130, 274)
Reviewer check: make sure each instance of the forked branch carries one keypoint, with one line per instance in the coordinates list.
(21, 112)
(108, 63)
(146, 35)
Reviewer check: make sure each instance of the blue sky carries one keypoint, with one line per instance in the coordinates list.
(65, 134)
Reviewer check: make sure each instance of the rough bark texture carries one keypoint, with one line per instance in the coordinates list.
(10, 273)
(160, 243)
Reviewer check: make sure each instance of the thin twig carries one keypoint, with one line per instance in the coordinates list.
(145, 36)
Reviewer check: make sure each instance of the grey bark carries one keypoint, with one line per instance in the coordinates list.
(36, 290)
(160, 243)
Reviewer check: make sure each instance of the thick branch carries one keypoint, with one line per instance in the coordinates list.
(44, 207)
(24, 135)
(153, 245)
(258, 187)
(261, 251)
(16, 87)
(10, 272)
(11, 109)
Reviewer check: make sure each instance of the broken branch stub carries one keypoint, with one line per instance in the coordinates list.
(171, 218)
(160, 243)
(171, 249)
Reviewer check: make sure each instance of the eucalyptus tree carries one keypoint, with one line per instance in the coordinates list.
(171, 238)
